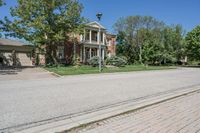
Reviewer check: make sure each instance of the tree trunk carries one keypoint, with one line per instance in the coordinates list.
(74, 53)
(140, 55)
(51, 54)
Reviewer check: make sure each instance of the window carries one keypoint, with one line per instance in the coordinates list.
(60, 52)
(101, 36)
(93, 52)
(87, 35)
(94, 36)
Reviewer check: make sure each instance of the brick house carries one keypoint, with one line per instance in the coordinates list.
(87, 45)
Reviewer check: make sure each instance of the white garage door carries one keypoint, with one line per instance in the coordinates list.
(24, 59)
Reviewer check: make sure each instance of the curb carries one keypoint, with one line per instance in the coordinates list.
(95, 115)
(52, 73)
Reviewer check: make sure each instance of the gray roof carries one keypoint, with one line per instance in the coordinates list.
(10, 42)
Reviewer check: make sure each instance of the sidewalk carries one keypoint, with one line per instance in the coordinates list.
(179, 115)
(157, 106)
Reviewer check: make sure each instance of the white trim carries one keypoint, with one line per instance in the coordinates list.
(98, 24)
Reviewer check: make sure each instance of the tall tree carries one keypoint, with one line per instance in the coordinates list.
(193, 44)
(133, 28)
(147, 40)
(47, 22)
(1, 4)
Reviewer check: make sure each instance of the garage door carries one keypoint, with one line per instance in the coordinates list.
(24, 59)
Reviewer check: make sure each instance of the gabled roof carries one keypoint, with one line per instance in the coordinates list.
(95, 25)
(11, 42)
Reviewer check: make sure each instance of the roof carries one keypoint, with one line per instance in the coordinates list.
(110, 34)
(10, 42)
(95, 25)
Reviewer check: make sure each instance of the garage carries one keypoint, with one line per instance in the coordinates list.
(15, 53)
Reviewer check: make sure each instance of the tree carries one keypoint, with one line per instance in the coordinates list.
(147, 40)
(46, 22)
(133, 28)
(1, 4)
(193, 44)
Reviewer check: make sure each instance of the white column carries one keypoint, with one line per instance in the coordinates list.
(98, 37)
(90, 53)
(81, 38)
(103, 38)
(90, 36)
(97, 52)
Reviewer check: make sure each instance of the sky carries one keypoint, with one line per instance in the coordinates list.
(184, 12)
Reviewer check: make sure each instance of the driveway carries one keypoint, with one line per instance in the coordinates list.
(24, 74)
(29, 102)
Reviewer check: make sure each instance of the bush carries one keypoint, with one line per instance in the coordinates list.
(116, 61)
(94, 61)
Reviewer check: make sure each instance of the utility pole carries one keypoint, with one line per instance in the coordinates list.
(99, 15)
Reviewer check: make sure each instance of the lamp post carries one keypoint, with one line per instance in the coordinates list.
(99, 15)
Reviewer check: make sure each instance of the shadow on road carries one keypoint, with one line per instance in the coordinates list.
(11, 70)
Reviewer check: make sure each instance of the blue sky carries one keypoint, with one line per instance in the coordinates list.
(184, 12)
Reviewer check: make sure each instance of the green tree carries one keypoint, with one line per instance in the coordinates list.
(147, 40)
(134, 29)
(46, 22)
(193, 44)
(1, 4)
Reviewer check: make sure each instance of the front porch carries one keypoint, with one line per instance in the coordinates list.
(89, 51)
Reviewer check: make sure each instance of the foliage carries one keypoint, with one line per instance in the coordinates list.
(144, 39)
(94, 61)
(193, 44)
(116, 61)
(1, 4)
(47, 22)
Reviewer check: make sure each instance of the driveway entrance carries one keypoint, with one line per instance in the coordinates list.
(24, 73)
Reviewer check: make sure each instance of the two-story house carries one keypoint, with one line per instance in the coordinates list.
(87, 45)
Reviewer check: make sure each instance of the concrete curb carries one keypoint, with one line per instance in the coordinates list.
(52, 73)
(107, 112)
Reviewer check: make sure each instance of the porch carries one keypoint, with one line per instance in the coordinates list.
(89, 51)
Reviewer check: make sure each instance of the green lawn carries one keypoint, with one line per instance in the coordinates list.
(72, 70)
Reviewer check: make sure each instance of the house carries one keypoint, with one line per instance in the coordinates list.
(15, 53)
(88, 45)
(85, 47)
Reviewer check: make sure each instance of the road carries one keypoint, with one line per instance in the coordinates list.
(179, 115)
(25, 102)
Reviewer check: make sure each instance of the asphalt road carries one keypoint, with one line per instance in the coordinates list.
(30, 101)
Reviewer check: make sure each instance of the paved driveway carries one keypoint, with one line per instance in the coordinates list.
(33, 101)
(24, 74)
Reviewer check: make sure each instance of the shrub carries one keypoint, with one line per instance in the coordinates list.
(116, 61)
(94, 61)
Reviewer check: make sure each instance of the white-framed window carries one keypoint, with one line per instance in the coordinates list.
(60, 52)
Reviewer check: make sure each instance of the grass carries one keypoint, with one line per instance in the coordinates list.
(73, 70)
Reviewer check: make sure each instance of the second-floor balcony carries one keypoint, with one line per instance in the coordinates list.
(93, 37)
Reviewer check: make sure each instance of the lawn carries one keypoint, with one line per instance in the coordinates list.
(73, 70)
